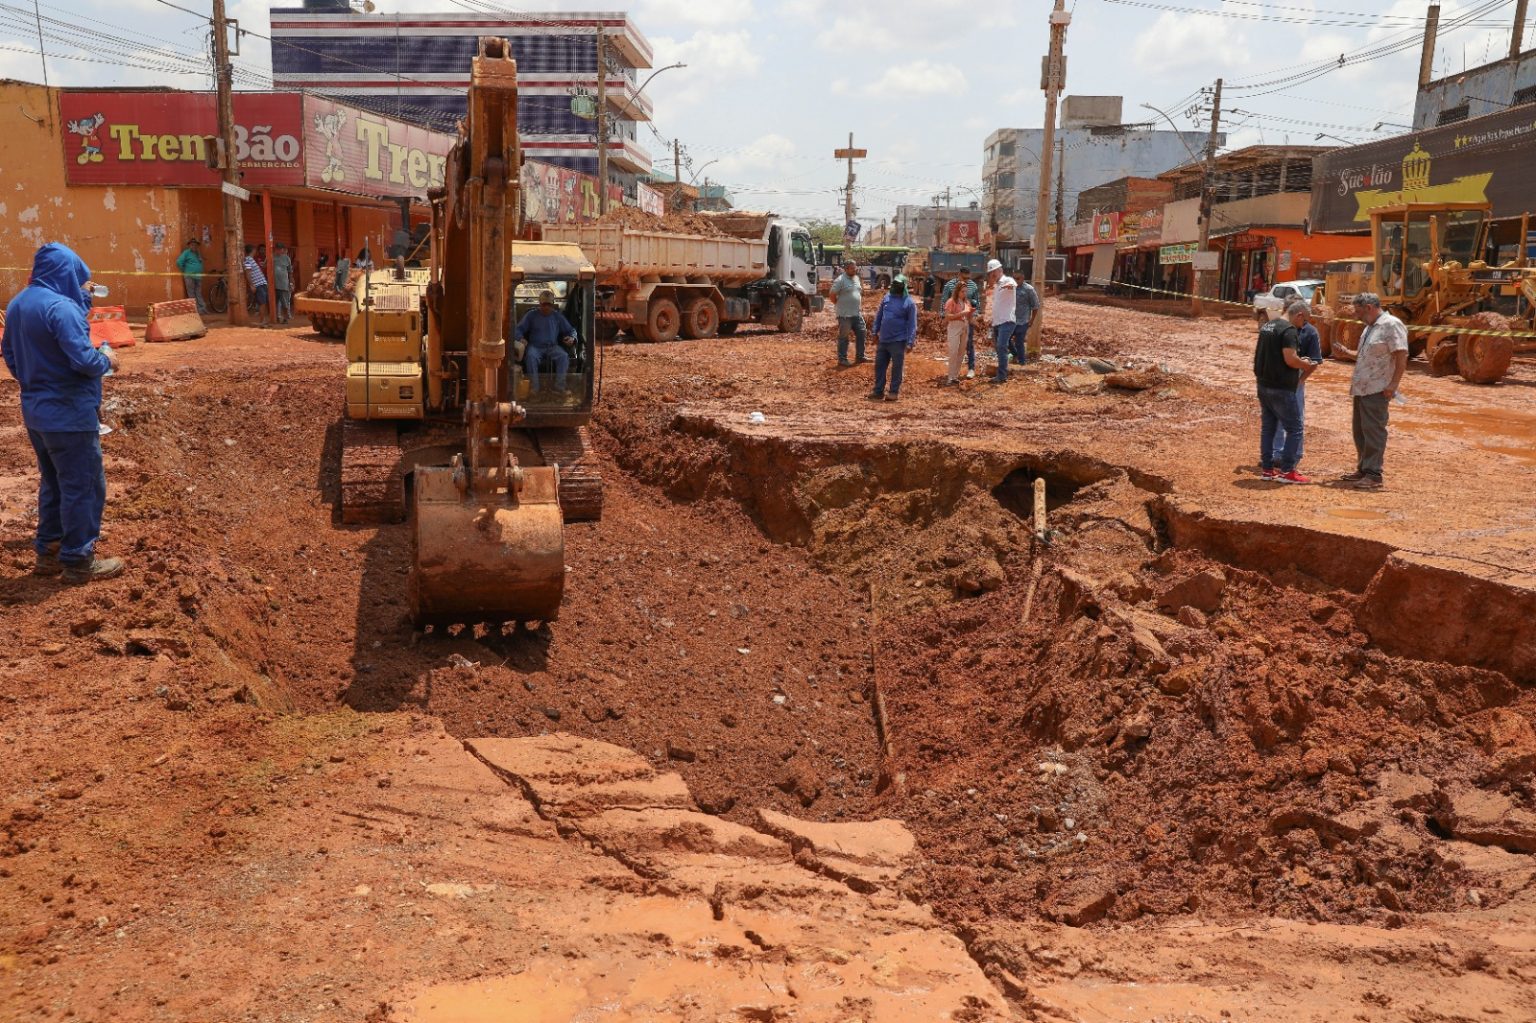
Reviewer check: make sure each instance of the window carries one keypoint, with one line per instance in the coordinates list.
(801, 246)
(1284, 291)
(1005, 149)
(1005, 179)
(1525, 95)
(1450, 115)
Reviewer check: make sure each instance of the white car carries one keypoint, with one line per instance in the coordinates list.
(1271, 304)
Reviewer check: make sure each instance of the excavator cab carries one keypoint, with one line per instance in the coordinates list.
(552, 381)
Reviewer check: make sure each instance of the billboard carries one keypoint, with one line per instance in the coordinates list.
(965, 233)
(165, 138)
(1487, 159)
(559, 195)
(352, 150)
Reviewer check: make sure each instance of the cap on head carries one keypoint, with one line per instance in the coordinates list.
(994, 264)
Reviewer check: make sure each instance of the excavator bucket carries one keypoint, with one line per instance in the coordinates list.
(482, 557)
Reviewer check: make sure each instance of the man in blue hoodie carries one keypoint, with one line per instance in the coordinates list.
(896, 333)
(47, 348)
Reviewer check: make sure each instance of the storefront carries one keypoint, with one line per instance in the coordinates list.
(1486, 159)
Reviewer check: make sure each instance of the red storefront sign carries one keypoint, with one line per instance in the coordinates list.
(1106, 228)
(165, 138)
(965, 232)
(352, 150)
(558, 195)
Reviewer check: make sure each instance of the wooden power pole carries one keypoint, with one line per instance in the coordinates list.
(1061, 185)
(602, 125)
(1207, 191)
(234, 234)
(850, 154)
(1052, 80)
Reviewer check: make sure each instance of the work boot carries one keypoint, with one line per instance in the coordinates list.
(96, 568)
(48, 562)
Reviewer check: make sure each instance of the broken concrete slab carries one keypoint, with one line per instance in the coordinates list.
(568, 776)
(865, 854)
(1486, 818)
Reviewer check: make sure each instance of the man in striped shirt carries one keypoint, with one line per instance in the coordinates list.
(258, 282)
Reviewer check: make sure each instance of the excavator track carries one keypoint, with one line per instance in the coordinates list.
(372, 488)
(581, 485)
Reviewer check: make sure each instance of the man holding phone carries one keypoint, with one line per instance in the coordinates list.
(1279, 369)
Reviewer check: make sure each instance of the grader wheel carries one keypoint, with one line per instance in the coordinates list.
(1323, 320)
(329, 325)
(1484, 358)
(1441, 350)
(1346, 335)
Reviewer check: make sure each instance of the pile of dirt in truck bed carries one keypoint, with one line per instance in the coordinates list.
(636, 219)
(323, 283)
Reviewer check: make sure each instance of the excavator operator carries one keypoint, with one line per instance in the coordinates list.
(547, 334)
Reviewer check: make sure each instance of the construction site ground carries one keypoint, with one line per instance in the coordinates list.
(824, 732)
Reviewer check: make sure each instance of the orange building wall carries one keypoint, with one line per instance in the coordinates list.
(127, 236)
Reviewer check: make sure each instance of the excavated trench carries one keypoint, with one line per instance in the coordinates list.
(1127, 721)
(1133, 720)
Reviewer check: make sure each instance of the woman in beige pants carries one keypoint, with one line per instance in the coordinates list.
(957, 313)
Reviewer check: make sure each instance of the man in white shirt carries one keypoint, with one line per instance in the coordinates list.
(1380, 362)
(1004, 300)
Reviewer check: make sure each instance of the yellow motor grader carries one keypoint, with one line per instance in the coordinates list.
(443, 419)
(1427, 266)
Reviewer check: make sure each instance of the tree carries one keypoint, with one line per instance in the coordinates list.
(828, 232)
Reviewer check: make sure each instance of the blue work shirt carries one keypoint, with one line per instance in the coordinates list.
(896, 320)
(47, 346)
(1308, 344)
(541, 331)
(1027, 302)
(848, 293)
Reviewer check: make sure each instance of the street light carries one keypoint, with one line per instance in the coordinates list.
(1179, 131)
(602, 118)
(1325, 135)
(701, 170)
(653, 74)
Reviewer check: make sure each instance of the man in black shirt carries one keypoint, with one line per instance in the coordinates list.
(1278, 369)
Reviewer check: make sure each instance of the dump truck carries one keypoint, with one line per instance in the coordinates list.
(445, 420)
(659, 285)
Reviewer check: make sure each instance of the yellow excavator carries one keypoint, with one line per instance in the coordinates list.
(487, 454)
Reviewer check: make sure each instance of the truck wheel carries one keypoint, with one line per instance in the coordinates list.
(607, 332)
(793, 316)
(663, 321)
(701, 319)
(885, 281)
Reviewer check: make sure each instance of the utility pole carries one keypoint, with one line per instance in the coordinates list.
(1061, 178)
(850, 154)
(1053, 79)
(677, 174)
(1517, 34)
(234, 235)
(602, 126)
(1207, 178)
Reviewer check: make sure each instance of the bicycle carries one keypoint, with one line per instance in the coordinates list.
(216, 294)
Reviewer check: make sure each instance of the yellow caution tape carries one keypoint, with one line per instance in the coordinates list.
(1424, 328)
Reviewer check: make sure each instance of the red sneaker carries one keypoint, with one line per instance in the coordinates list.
(1293, 477)
(1270, 474)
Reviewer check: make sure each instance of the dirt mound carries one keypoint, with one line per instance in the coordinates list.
(636, 219)
(323, 283)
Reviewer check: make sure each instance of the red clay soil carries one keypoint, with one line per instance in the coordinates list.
(636, 219)
(1232, 749)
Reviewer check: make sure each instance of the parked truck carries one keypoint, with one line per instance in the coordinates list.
(658, 285)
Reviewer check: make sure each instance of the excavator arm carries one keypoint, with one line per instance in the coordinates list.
(488, 531)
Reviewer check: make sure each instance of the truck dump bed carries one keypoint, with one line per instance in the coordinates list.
(621, 253)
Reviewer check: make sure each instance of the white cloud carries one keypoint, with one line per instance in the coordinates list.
(674, 12)
(716, 61)
(918, 78)
(1192, 42)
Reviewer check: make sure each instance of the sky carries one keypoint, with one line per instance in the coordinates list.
(772, 87)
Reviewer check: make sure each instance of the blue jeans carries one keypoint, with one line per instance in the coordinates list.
(1281, 433)
(970, 346)
(284, 305)
(892, 356)
(534, 357)
(72, 493)
(1002, 341)
(850, 325)
(194, 286)
(1279, 407)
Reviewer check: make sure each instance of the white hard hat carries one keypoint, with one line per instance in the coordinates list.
(994, 264)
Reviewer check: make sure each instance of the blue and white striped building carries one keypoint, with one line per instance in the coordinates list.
(416, 67)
